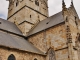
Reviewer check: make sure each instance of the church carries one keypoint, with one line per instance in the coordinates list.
(30, 34)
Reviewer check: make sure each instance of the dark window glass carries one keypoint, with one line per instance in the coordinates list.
(17, 3)
(37, 2)
(76, 23)
(66, 19)
(30, 16)
(79, 37)
(35, 59)
(11, 57)
(75, 17)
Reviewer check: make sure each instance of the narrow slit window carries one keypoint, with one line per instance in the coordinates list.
(66, 19)
(30, 16)
(17, 3)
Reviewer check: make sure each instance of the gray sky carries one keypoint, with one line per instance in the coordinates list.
(55, 6)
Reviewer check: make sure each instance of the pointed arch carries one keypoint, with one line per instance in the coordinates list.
(51, 54)
(11, 57)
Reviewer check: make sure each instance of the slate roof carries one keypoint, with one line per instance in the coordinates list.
(20, 43)
(9, 26)
(16, 42)
(47, 23)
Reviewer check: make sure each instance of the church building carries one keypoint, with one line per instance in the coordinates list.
(30, 34)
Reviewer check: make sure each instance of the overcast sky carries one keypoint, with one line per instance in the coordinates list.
(55, 6)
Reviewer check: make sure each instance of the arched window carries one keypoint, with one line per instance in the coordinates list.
(35, 59)
(51, 54)
(11, 57)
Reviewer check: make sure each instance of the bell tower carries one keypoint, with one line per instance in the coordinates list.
(27, 13)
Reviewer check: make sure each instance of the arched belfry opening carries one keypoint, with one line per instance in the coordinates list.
(37, 2)
(11, 57)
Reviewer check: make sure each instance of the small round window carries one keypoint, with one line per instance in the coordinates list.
(11, 57)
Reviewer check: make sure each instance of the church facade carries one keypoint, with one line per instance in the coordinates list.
(30, 34)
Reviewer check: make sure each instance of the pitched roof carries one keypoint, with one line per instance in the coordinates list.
(9, 26)
(16, 42)
(19, 42)
(47, 23)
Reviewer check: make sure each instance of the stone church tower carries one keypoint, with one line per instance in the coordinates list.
(27, 13)
(54, 38)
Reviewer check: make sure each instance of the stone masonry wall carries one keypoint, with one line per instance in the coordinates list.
(19, 55)
(53, 37)
(57, 37)
(62, 54)
(39, 41)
